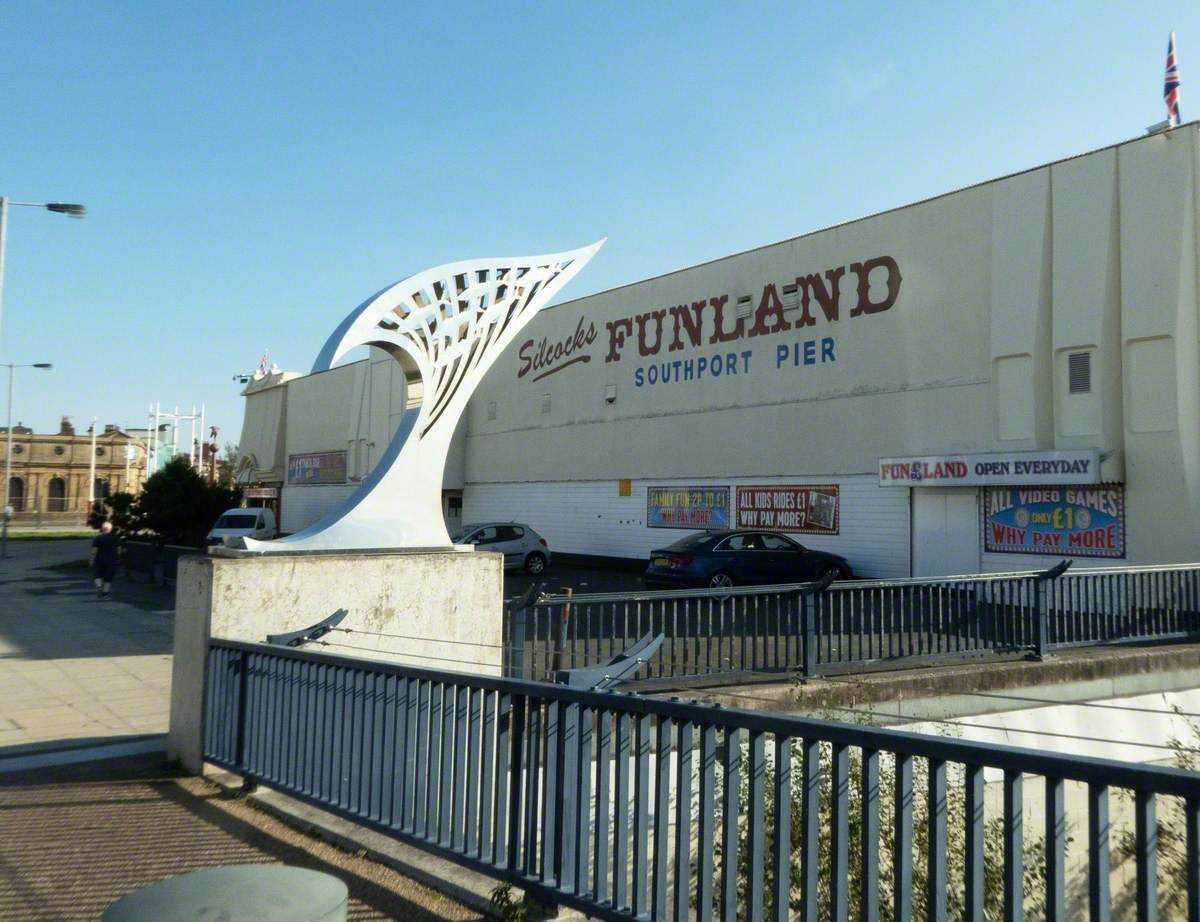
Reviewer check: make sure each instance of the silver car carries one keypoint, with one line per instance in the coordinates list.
(520, 544)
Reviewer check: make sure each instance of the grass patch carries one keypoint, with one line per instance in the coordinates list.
(50, 535)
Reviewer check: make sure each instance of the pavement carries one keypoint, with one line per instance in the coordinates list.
(76, 838)
(73, 667)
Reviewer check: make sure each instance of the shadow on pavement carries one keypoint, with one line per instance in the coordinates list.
(88, 834)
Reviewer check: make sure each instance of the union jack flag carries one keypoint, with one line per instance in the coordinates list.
(263, 365)
(1171, 85)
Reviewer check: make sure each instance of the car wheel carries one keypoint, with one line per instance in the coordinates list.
(720, 581)
(535, 563)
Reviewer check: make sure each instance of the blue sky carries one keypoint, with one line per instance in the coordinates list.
(254, 170)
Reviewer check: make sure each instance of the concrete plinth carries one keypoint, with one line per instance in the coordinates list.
(438, 608)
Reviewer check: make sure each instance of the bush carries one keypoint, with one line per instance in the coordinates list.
(116, 508)
(177, 505)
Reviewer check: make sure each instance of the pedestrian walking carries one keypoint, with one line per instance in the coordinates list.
(104, 560)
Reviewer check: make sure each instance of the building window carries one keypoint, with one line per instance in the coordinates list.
(18, 449)
(99, 451)
(56, 496)
(58, 449)
(1079, 373)
(16, 494)
(100, 489)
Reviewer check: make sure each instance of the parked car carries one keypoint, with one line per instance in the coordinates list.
(520, 544)
(732, 558)
(244, 523)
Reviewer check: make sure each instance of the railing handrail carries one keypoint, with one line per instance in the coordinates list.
(1148, 778)
(639, 595)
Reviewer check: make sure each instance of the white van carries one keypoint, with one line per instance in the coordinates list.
(243, 523)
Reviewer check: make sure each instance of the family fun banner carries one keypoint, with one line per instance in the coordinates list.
(687, 507)
(1066, 521)
(807, 510)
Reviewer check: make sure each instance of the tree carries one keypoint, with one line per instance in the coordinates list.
(117, 508)
(178, 505)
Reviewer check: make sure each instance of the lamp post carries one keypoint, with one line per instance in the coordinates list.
(70, 210)
(8, 455)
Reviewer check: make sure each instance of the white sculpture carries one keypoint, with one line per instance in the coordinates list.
(445, 326)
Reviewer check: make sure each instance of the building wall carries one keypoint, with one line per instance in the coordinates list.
(1000, 284)
(947, 326)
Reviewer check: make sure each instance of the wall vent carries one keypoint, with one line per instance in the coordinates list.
(545, 403)
(745, 306)
(492, 410)
(791, 297)
(1079, 373)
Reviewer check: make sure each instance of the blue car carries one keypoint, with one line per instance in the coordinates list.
(739, 558)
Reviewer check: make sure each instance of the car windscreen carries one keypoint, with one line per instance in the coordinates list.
(689, 542)
(237, 520)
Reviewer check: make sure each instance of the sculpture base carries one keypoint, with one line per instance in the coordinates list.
(439, 608)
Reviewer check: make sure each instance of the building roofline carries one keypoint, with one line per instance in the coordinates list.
(821, 230)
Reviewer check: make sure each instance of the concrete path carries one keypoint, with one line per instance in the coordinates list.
(73, 667)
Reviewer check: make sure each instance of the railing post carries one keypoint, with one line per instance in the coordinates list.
(560, 647)
(808, 604)
(1041, 606)
(518, 623)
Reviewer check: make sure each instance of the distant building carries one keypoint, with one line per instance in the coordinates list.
(50, 472)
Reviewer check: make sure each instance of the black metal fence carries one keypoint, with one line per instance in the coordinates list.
(630, 807)
(742, 633)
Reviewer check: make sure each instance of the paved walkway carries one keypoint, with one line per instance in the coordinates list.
(76, 838)
(73, 667)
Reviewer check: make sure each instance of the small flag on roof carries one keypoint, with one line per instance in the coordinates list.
(263, 365)
(1171, 84)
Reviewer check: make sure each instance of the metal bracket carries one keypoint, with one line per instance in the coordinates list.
(1055, 571)
(819, 585)
(314, 632)
(621, 667)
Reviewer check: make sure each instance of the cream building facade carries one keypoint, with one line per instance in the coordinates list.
(50, 472)
(987, 380)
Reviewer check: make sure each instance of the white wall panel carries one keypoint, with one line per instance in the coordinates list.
(589, 517)
(301, 506)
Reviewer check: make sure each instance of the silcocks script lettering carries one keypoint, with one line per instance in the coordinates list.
(545, 358)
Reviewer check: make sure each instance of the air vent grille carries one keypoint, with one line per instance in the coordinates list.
(492, 410)
(545, 403)
(744, 306)
(1079, 373)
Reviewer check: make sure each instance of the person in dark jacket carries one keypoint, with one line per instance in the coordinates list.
(104, 560)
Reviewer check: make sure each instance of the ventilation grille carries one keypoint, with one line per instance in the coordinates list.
(492, 410)
(1079, 373)
(744, 307)
(545, 403)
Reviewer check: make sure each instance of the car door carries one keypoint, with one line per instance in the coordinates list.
(486, 538)
(738, 558)
(783, 560)
(511, 543)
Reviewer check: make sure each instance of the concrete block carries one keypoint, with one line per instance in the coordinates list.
(438, 608)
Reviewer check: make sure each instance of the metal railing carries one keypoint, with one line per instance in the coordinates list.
(630, 807)
(814, 629)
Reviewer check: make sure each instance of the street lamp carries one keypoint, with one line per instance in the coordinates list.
(8, 511)
(71, 210)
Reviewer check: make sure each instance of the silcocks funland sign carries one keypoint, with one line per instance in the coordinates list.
(709, 339)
